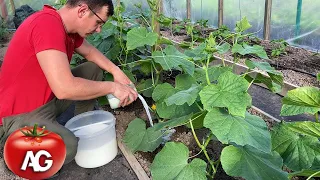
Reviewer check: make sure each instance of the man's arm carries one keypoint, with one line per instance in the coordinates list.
(64, 85)
(94, 55)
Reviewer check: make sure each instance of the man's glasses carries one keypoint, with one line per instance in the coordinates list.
(103, 22)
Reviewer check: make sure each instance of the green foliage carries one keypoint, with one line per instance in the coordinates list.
(301, 100)
(305, 128)
(171, 58)
(138, 138)
(138, 37)
(250, 130)
(230, 92)
(318, 76)
(172, 163)
(275, 80)
(246, 49)
(211, 97)
(258, 164)
(242, 25)
(298, 151)
(280, 48)
(3, 29)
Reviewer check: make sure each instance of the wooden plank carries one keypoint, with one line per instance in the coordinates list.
(266, 114)
(188, 9)
(134, 163)
(267, 19)
(220, 13)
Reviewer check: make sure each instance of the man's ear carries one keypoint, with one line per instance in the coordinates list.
(82, 10)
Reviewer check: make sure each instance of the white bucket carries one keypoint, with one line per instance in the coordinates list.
(97, 138)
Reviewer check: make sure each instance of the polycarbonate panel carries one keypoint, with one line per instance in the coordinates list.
(175, 8)
(131, 9)
(299, 29)
(205, 10)
(253, 10)
(34, 4)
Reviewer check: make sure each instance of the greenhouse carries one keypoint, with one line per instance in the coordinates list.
(159, 89)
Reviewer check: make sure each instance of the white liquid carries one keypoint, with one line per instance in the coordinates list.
(92, 158)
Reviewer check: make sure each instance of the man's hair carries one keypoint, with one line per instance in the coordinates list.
(95, 5)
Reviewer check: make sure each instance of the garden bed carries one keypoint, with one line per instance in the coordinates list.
(299, 66)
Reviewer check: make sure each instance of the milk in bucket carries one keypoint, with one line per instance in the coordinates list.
(97, 138)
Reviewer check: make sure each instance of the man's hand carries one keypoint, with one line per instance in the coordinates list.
(124, 93)
(119, 76)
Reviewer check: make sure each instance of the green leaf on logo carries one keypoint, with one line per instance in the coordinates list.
(138, 138)
(298, 152)
(301, 100)
(139, 36)
(251, 130)
(172, 163)
(171, 58)
(251, 163)
(230, 92)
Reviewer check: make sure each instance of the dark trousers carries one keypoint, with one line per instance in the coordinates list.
(47, 114)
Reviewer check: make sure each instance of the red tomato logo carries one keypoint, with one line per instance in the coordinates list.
(34, 152)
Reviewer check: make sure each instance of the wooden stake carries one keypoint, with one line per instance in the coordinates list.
(188, 9)
(267, 19)
(220, 13)
(13, 8)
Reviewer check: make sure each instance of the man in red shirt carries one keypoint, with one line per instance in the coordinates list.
(36, 83)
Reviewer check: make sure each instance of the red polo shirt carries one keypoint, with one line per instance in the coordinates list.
(23, 85)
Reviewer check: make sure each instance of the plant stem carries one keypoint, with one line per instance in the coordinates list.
(317, 117)
(208, 140)
(202, 147)
(250, 84)
(201, 109)
(312, 175)
(223, 63)
(206, 69)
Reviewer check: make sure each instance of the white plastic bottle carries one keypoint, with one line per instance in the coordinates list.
(115, 102)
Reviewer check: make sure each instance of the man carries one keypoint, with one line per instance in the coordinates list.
(36, 83)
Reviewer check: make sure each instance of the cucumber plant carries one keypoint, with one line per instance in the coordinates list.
(211, 97)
